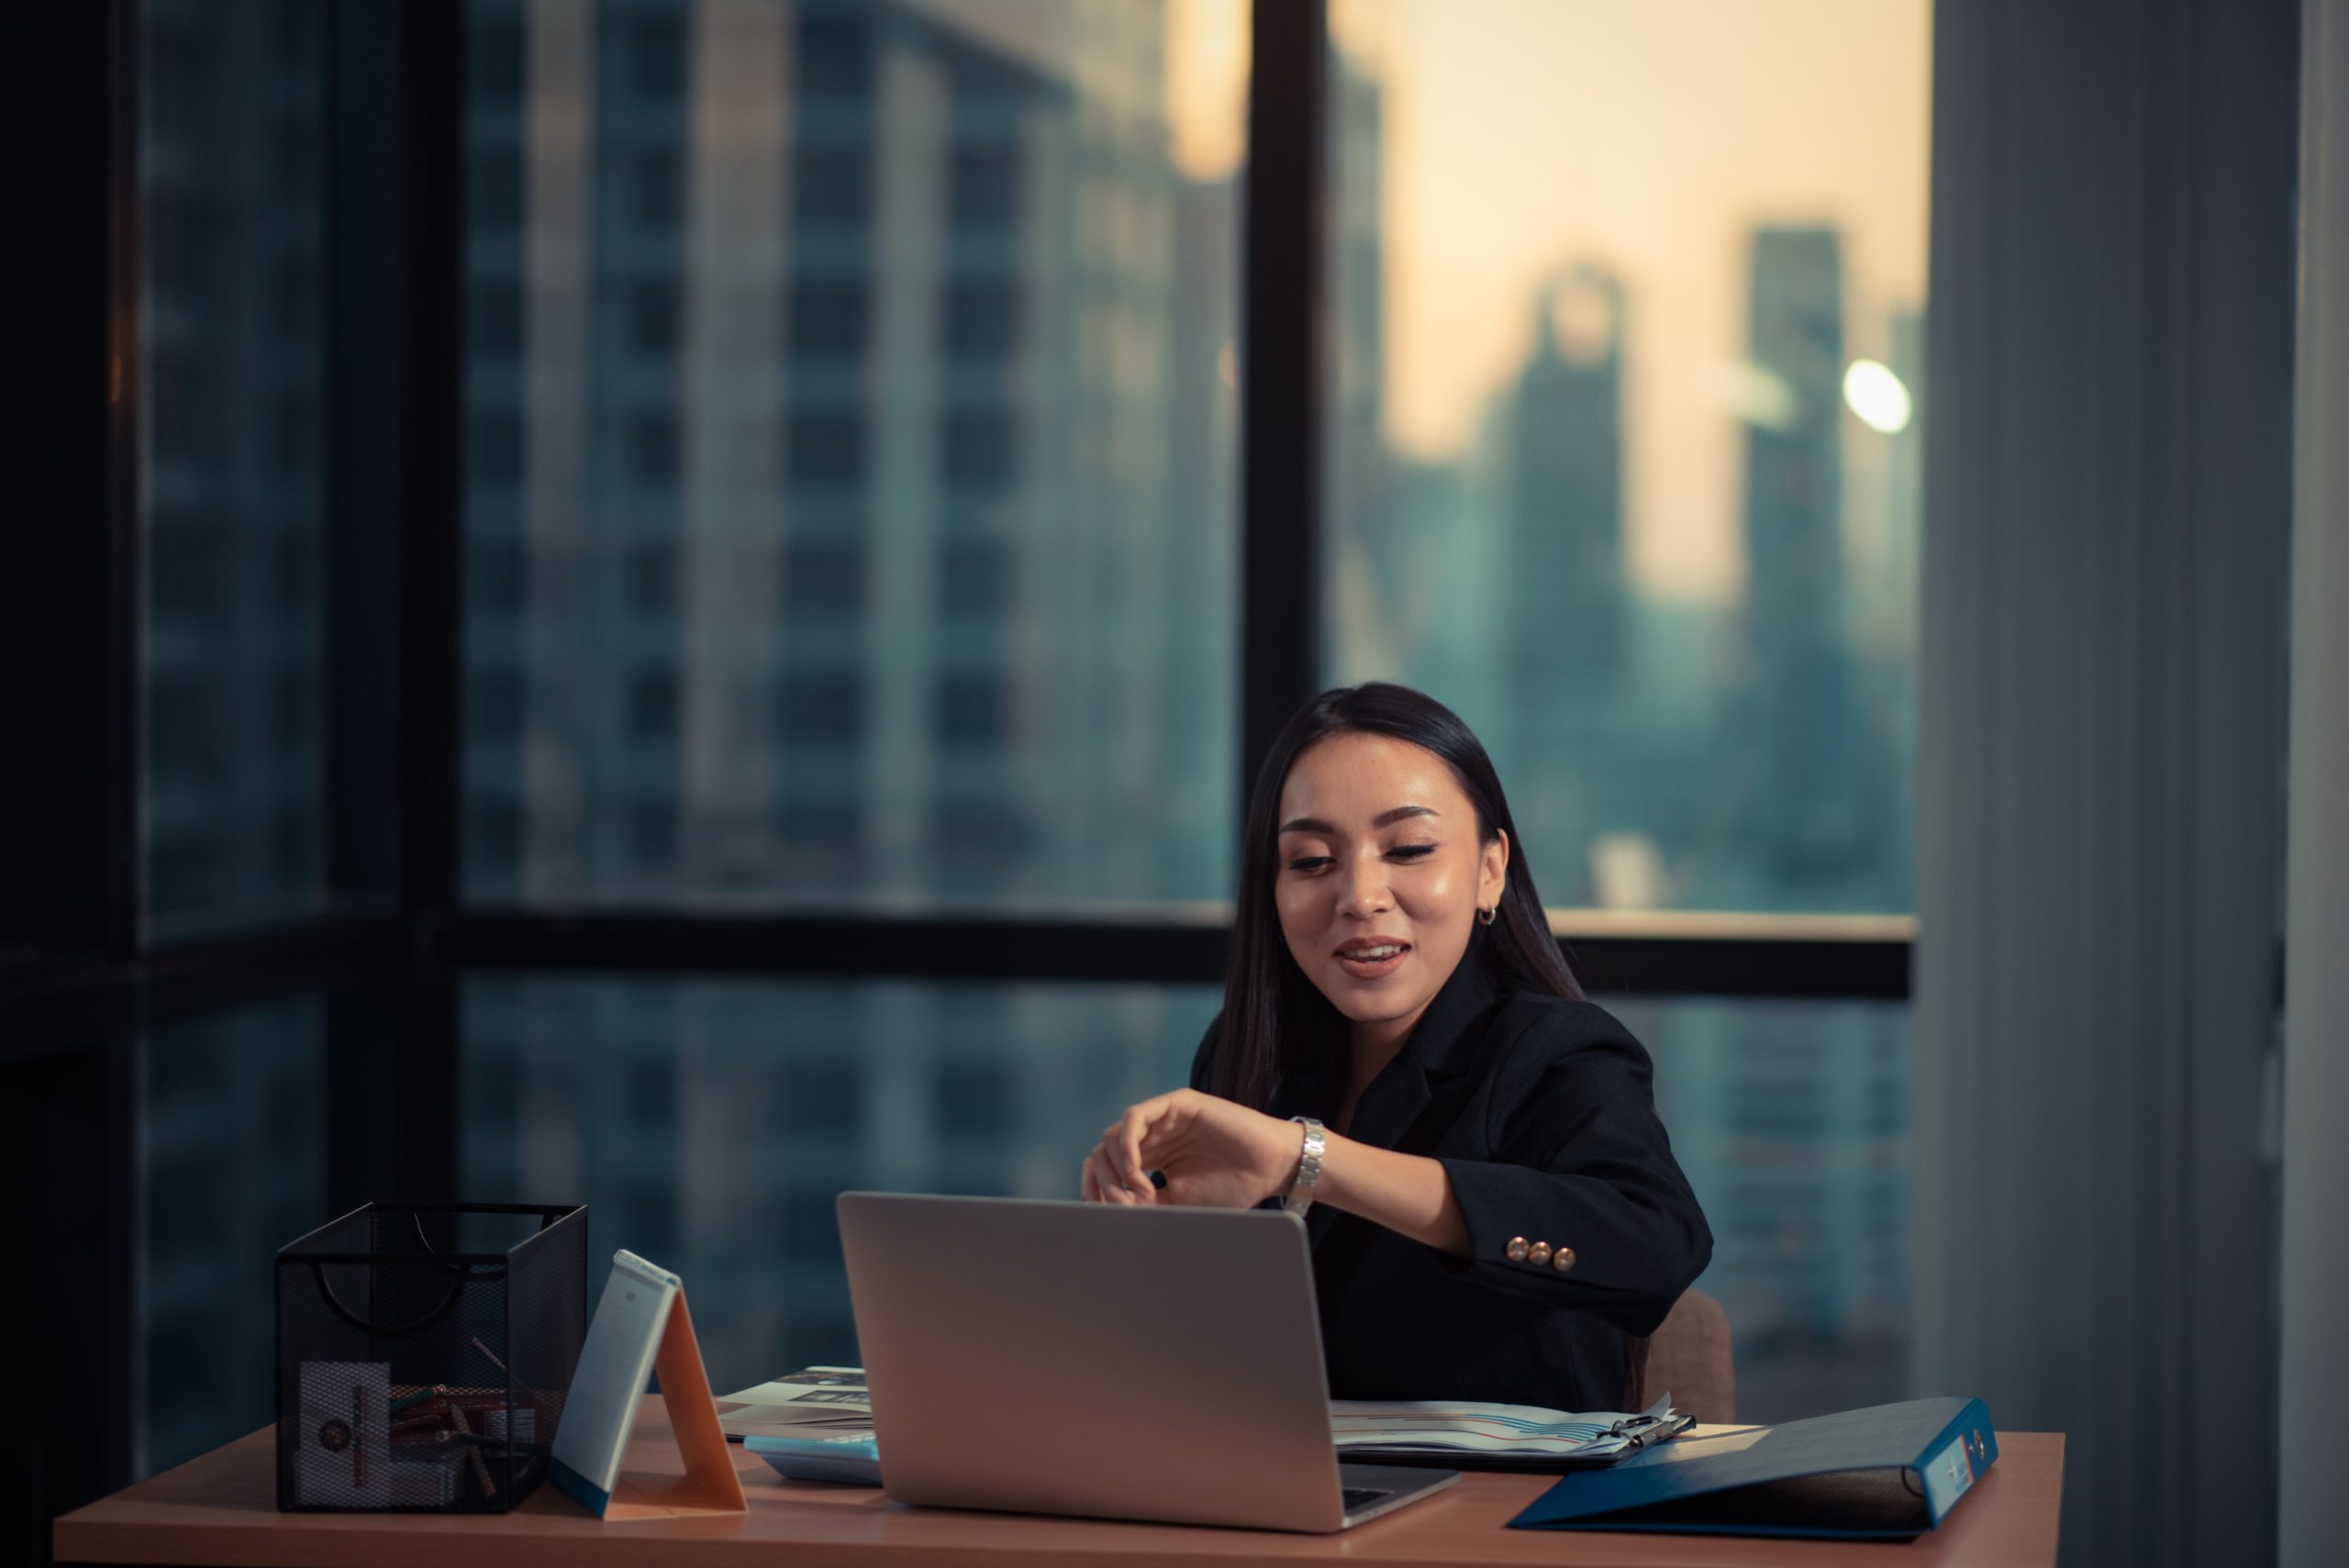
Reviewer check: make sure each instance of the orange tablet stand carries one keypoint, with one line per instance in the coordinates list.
(709, 1484)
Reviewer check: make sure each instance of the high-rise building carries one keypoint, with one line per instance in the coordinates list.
(1806, 818)
(1569, 732)
(849, 520)
(232, 348)
(1566, 596)
(232, 333)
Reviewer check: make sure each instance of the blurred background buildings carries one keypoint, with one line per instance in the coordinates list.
(851, 407)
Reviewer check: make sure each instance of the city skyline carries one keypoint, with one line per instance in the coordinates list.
(850, 517)
(1562, 132)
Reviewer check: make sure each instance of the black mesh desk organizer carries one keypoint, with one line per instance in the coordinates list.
(423, 1354)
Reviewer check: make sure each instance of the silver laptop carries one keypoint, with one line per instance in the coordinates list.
(1079, 1358)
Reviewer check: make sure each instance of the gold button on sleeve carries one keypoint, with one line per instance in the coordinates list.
(1562, 1259)
(1515, 1250)
(1538, 1255)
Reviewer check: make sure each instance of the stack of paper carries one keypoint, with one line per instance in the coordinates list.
(815, 1400)
(825, 1403)
(815, 1424)
(1470, 1435)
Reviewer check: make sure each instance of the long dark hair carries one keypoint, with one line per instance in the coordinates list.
(1277, 1020)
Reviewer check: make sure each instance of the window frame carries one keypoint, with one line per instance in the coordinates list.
(81, 983)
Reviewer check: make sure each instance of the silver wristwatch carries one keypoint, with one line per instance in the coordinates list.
(1308, 1166)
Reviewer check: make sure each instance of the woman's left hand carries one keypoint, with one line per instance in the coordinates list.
(1214, 1153)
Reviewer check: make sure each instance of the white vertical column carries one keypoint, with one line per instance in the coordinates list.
(2100, 735)
(558, 274)
(2315, 1361)
(731, 383)
(902, 467)
(899, 656)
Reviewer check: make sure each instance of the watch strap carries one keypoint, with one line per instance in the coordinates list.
(1309, 1166)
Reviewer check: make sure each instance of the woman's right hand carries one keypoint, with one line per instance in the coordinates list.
(1213, 1152)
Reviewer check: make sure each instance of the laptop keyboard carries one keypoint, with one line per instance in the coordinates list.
(1364, 1497)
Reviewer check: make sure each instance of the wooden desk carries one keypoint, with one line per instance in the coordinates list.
(222, 1509)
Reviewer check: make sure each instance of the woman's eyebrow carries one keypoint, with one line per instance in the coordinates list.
(1385, 818)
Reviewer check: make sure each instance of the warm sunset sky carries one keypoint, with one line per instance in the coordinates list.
(1523, 135)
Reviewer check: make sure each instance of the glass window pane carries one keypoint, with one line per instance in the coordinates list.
(231, 383)
(850, 500)
(1628, 315)
(709, 1125)
(1791, 1119)
(231, 1164)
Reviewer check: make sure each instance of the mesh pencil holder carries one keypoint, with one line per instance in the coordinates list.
(423, 1354)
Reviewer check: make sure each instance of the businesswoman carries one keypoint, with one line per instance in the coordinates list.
(1493, 1205)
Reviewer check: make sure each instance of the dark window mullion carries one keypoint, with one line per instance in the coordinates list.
(1281, 372)
(428, 1062)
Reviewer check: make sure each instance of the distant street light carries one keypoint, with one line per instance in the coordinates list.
(1877, 397)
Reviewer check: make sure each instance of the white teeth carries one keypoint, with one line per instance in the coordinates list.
(1372, 955)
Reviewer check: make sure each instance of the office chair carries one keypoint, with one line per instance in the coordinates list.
(1688, 1357)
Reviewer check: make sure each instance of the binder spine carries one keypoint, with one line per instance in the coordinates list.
(1966, 1449)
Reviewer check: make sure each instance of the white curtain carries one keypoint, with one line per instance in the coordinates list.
(2100, 814)
(2315, 1359)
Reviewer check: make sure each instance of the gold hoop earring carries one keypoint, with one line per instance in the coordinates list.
(1486, 917)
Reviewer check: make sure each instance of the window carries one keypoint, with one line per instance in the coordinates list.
(986, 186)
(835, 187)
(653, 706)
(977, 582)
(652, 318)
(232, 349)
(980, 456)
(824, 577)
(1791, 1122)
(974, 1099)
(807, 1089)
(652, 448)
(1623, 460)
(881, 319)
(494, 450)
(494, 576)
(652, 580)
(827, 319)
(849, 398)
(971, 711)
(822, 707)
(496, 320)
(982, 318)
(655, 197)
(654, 56)
(827, 449)
(230, 1155)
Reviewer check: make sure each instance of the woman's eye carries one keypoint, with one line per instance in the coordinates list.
(1308, 862)
(1411, 852)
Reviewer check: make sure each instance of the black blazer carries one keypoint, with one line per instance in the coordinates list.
(1542, 1112)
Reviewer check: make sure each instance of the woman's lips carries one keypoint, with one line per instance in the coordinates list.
(1369, 960)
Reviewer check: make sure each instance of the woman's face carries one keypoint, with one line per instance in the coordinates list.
(1380, 876)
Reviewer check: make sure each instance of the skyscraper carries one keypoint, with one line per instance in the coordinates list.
(846, 525)
(1806, 812)
(1567, 594)
(232, 221)
(1557, 597)
(232, 338)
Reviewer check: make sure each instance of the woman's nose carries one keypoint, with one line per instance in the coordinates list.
(1365, 890)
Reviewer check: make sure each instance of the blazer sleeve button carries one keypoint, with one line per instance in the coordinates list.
(1538, 1255)
(1515, 1250)
(1562, 1259)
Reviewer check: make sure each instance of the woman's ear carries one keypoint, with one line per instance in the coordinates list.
(1492, 878)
